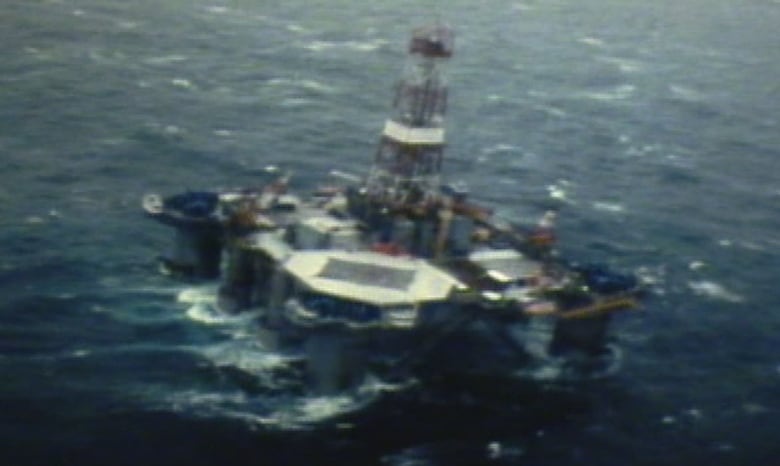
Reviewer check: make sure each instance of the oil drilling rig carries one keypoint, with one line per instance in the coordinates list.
(397, 266)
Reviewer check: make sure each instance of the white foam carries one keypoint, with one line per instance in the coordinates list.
(217, 9)
(696, 265)
(288, 412)
(592, 41)
(317, 46)
(206, 294)
(751, 246)
(522, 7)
(556, 191)
(181, 82)
(295, 102)
(625, 65)
(278, 81)
(498, 148)
(694, 413)
(80, 353)
(172, 130)
(545, 373)
(184, 401)
(374, 385)
(206, 314)
(714, 290)
(211, 404)
(357, 46)
(686, 93)
(113, 282)
(552, 111)
(313, 85)
(323, 407)
(613, 207)
(247, 355)
(315, 409)
(297, 28)
(166, 59)
(641, 151)
(308, 84)
(126, 24)
(622, 92)
(754, 408)
(34, 220)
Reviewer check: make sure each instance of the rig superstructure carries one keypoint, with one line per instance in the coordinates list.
(395, 271)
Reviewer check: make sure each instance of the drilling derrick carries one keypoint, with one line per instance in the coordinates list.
(407, 167)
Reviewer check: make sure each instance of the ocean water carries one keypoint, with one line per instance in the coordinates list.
(654, 126)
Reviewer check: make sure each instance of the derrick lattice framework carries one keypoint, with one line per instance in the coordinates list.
(407, 167)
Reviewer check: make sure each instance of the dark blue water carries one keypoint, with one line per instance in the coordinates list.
(654, 125)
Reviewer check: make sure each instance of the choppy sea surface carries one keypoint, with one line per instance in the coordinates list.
(653, 126)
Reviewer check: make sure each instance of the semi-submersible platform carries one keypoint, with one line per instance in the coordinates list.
(395, 271)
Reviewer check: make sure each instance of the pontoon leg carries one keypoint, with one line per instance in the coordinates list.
(196, 253)
(586, 336)
(333, 361)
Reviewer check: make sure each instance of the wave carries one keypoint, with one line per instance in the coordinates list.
(621, 92)
(205, 294)
(605, 206)
(569, 369)
(522, 7)
(182, 83)
(296, 28)
(217, 9)
(308, 84)
(205, 313)
(558, 191)
(713, 290)
(499, 148)
(652, 277)
(592, 41)
(166, 59)
(282, 412)
(352, 45)
(625, 65)
(293, 102)
(552, 111)
(687, 94)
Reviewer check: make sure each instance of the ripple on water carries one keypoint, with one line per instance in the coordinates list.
(713, 290)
